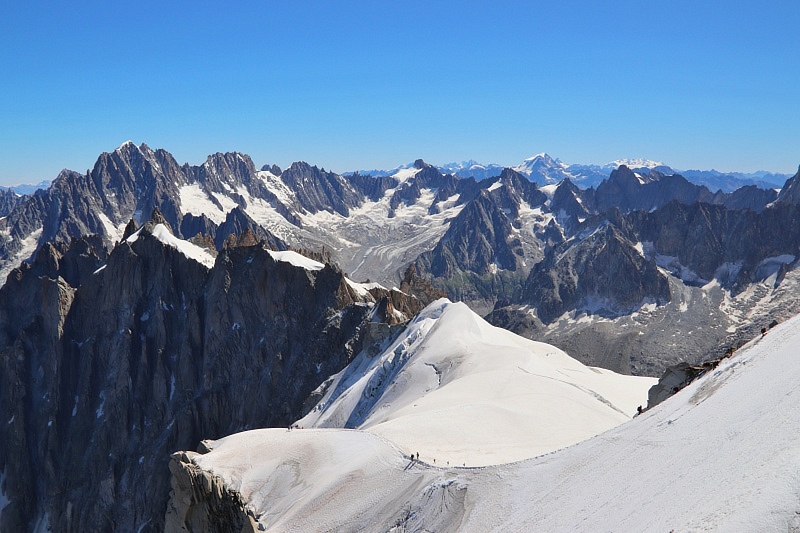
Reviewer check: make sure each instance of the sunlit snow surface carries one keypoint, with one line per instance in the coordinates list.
(721, 455)
(192, 251)
(455, 388)
(29, 245)
(297, 260)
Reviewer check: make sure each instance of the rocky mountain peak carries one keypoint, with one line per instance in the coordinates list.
(158, 218)
(319, 190)
(134, 156)
(126, 147)
(130, 229)
(509, 175)
(790, 193)
(223, 172)
(240, 229)
(570, 204)
(273, 169)
(623, 174)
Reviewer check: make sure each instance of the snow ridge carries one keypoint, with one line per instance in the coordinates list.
(451, 373)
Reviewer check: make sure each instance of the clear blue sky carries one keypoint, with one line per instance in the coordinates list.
(345, 85)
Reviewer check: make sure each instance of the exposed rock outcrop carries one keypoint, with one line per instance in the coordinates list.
(200, 501)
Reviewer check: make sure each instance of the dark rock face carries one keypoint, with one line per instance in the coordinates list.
(204, 502)
(371, 187)
(705, 238)
(410, 191)
(192, 225)
(317, 190)
(749, 197)
(122, 185)
(479, 259)
(571, 205)
(34, 305)
(8, 201)
(790, 193)
(478, 238)
(397, 306)
(274, 169)
(625, 191)
(417, 286)
(677, 377)
(429, 177)
(711, 241)
(513, 190)
(103, 379)
(237, 223)
(223, 171)
(601, 272)
(129, 183)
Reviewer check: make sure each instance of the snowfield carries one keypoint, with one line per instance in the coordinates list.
(721, 455)
(454, 388)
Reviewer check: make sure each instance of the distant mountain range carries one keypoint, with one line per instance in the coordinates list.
(24, 189)
(544, 170)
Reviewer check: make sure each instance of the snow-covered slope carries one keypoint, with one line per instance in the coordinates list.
(721, 455)
(192, 251)
(455, 388)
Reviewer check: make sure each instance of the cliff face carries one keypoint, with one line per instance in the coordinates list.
(602, 272)
(106, 371)
(200, 501)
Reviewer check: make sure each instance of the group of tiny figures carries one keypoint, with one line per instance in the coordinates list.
(412, 457)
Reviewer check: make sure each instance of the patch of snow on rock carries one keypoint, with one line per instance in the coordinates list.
(29, 246)
(192, 251)
(112, 231)
(297, 260)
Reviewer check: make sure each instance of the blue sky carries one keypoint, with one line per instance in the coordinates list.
(345, 85)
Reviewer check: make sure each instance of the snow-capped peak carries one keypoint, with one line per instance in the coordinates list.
(542, 160)
(543, 155)
(450, 370)
(127, 145)
(543, 169)
(634, 163)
